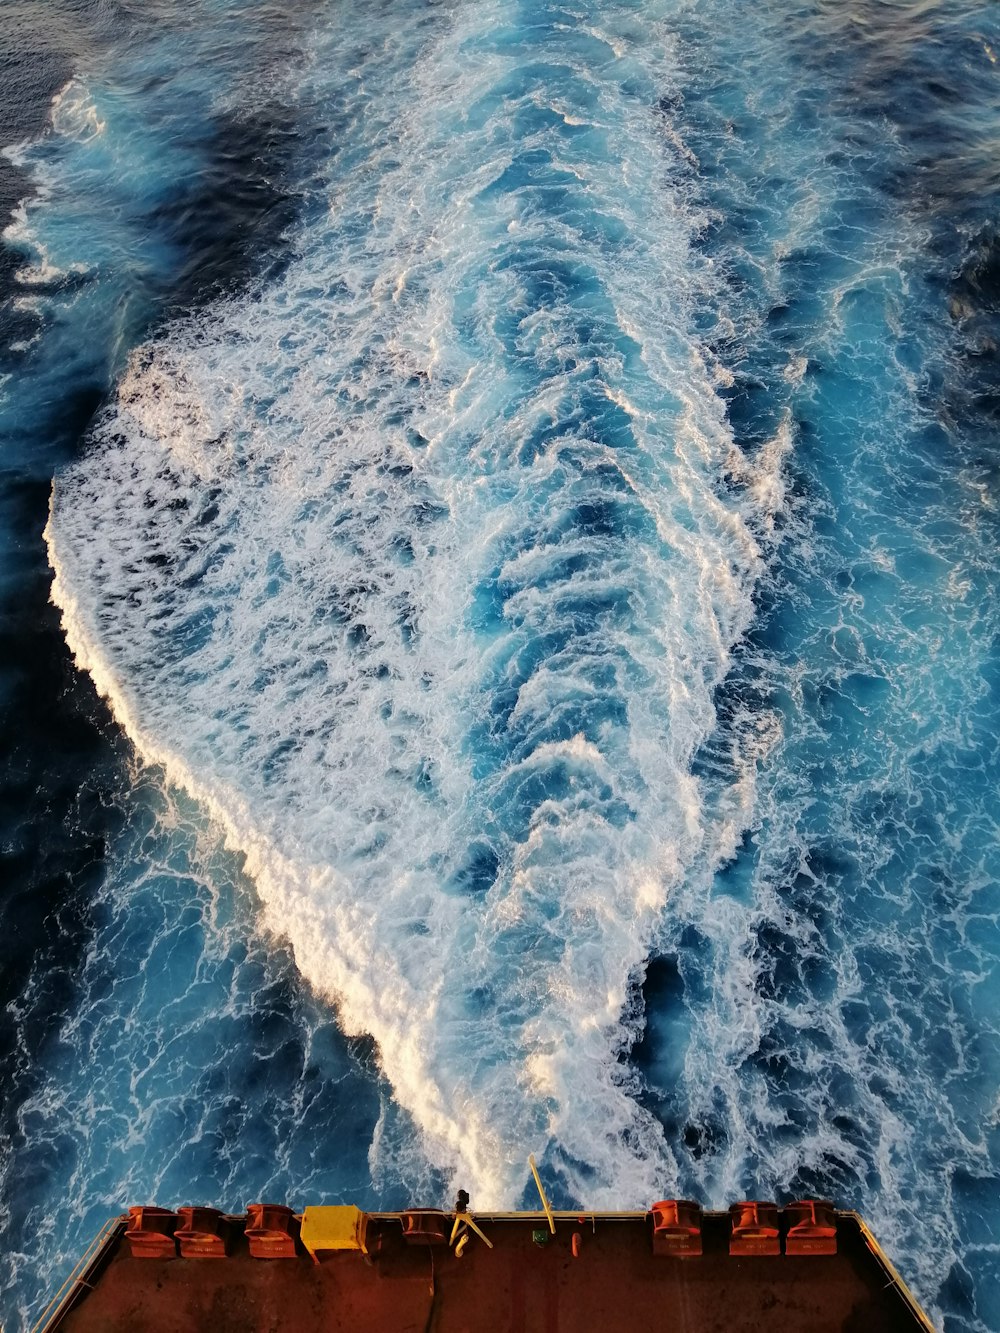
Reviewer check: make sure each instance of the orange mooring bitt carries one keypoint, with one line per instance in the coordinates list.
(150, 1233)
(755, 1229)
(677, 1228)
(271, 1231)
(426, 1226)
(203, 1233)
(812, 1227)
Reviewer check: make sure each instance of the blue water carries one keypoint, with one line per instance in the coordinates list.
(520, 484)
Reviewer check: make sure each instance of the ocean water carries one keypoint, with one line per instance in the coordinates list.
(500, 641)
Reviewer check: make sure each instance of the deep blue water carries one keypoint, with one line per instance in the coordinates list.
(522, 664)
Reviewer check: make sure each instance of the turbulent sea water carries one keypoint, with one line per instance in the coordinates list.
(498, 612)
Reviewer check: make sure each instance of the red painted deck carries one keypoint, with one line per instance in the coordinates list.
(616, 1283)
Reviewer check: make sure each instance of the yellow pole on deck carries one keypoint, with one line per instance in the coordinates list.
(545, 1202)
(463, 1219)
(472, 1226)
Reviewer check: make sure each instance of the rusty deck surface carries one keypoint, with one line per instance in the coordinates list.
(615, 1283)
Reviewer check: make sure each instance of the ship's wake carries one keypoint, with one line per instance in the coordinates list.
(420, 566)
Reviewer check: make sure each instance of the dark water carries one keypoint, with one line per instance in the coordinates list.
(526, 489)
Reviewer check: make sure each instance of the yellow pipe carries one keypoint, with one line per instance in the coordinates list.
(469, 1223)
(461, 1220)
(892, 1273)
(57, 1308)
(545, 1202)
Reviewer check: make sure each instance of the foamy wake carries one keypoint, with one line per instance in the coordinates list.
(417, 569)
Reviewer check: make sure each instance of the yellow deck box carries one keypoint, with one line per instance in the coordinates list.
(327, 1230)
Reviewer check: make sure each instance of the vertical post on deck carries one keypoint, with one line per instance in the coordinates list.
(545, 1202)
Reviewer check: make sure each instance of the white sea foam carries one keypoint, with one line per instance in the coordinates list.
(74, 113)
(417, 562)
(41, 270)
(73, 119)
